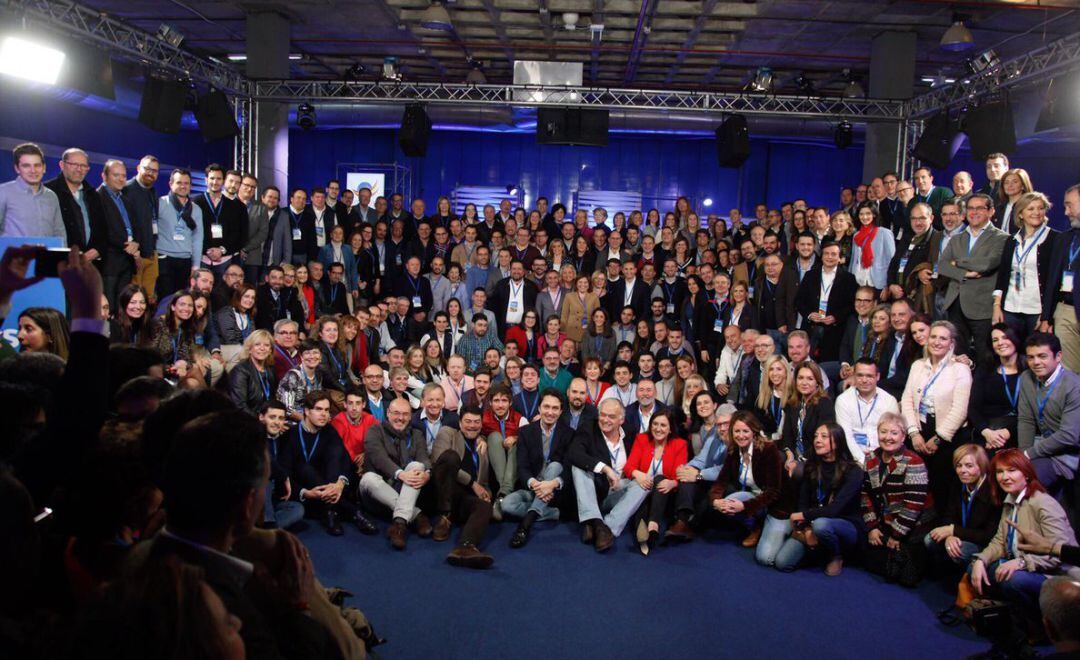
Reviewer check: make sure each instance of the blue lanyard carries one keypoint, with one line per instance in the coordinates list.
(502, 425)
(264, 380)
(474, 454)
(774, 408)
(1042, 401)
(333, 293)
(1073, 251)
(966, 503)
(415, 282)
(858, 408)
(800, 446)
(176, 344)
(1014, 394)
(820, 494)
(303, 443)
(972, 240)
(926, 390)
(294, 218)
(1010, 535)
(337, 364)
(427, 429)
(744, 471)
(123, 210)
(530, 411)
(550, 443)
(216, 210)
(292, 362)
(1032, 243)
(309, 383)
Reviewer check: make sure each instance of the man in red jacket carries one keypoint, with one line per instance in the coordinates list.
(352, 424)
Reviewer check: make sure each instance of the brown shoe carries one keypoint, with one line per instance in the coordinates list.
(680, 532)
(423, 526)
(752, 538)
(398, 534)
(586, 533)
(467, 555)
(603, 539)
(441, 532)
(835, 566)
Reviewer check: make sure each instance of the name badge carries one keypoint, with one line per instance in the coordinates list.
(903, 264)
(513, 306)
(297, 234)
(1067, 281)
(718, 326)
(416, 302)
(397, 259)
(153, 227)
(823, 306)
(751, 291)
(199, 340)
(584, 324)
(178, 235)
(319, 230)
(216, 231)
(671, 308)
(924, 411)
(861, 439)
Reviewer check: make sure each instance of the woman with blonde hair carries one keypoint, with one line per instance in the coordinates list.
(772, 393)
(1014, 184)
(578, 308)
(970, 516)
(842, 232)
(1025, 266)
(252, 381)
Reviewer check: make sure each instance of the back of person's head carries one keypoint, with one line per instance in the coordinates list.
(215, 463)
(128, 362)
(141, 396)
(19, 543)
(1059, 602)
(39, 371)
(161, 426)
(22, 412)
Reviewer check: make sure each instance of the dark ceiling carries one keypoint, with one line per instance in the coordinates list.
(681, 43)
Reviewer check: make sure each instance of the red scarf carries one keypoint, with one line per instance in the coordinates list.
(865, 240)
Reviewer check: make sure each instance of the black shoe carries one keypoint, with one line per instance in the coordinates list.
(364, 525)
(520, 537)
(333, 527)
(586, 533)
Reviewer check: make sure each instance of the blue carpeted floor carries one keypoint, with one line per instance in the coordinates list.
(558, 598)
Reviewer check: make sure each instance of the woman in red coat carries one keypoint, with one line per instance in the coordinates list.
(527, 335)
(652, 463)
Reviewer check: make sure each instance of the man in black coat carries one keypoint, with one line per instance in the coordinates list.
(629, 292)
(319, 467)
(143, 199)
(71, 188)
(826, 299)
(895, 360)
(541, 457)
(639, 413)
(301, 228)
(122, 233)
(275, 301)
(224, 222)
(578, 412)
(511, 297)
(415, 287)
(335, 296)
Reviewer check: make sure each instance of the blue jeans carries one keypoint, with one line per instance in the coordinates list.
(1023, 587)
(284, 514)
(746, 496)
(520, 502)
(835, 535)
(619, 505)
(937, 550)
(773, 537)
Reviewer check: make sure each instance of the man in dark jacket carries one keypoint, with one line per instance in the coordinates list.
(122, 234)
(80, 207)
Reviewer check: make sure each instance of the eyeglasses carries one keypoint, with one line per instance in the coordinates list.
(905, 189)
(78, 166)
(978, 208)
(866, 300)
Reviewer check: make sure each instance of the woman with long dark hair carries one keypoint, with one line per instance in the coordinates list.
(130, 324)
(174, 333)
(44, 330)
(995, 391)
(652, 463)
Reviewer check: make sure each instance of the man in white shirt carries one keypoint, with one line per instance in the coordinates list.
(860, 407)
(622, 390)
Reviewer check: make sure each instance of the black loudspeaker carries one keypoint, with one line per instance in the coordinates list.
(162, 104)
(88, 70)
(990, 129)
(935, 146)
(1061, 107)
(215, 117)
(733, 141)
(572, 126)
(415, 131)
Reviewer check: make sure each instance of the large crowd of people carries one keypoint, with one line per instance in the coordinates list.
(890, 383)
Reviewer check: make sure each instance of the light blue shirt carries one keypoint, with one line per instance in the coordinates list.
(80, 199)
(24, 212)
(705, 463)
(174, 238)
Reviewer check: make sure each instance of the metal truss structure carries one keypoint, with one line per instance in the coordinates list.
(586, 97)
(1032, 67)
(125, 41)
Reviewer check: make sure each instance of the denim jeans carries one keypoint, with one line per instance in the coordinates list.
(520, 502)
(1023, 588)
(937, 551)
(835, 535)
(283, 513)
(620, 504)
(773, 537)
(745, 496)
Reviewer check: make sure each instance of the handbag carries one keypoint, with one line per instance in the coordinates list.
(804, 534)
(900, 567)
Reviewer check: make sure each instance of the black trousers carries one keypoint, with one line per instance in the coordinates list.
(939, 465)
(459, 501)
(174, 274)
(308, 477)
(693, 498)
(974, 333)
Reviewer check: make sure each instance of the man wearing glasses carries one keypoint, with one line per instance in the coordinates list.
(970, 259)
(952, 220)
(80, 206)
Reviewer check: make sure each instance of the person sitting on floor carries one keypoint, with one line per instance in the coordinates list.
(461, 476)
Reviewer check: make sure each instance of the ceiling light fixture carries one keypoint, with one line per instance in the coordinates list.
(436, 18)
(30, 61)
(763, 80)
(355, 72)
(707, 202)
(305, 116)
(170, 35)
(512, 189)
(390, 69)
(958, 37)
(853, 90)
(843, 135)
(803, 84)
(476, 74)
(987, 60)
(570, 20)
(242, 57)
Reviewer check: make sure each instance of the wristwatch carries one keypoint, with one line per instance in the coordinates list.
(1023, 563)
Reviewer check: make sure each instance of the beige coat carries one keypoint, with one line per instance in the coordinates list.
(450, 439)
(1042, 514)
(573, 312)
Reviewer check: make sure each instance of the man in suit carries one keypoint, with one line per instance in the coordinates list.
(640, 412)
(1048, 415)
(335, 295)
(971, 260)
(363, 209)
(139, 191)
(997, 164)
(776, 289)
(744, 386)
(629, 292)
(1061, 296)
(461, 475)
(511, 297)
(433, 416)
(301, 228)
(541, 459)
(826, 300)
(339, 208)
(269, 242)
(80, 209)
(122, 235)
(215, 480)
(911, 252)
(319, 467)
(224, 222)
(892, 364)
(747, 270)
(415, 288)
(579, 413)
(399, 468)
(274, 301)
(549, 302)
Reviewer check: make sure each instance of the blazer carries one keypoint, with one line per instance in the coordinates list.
(367, 216)
(1061, 418)
(982, 519)
(675, 454)
(231, 215)
(449, 419)
(1041, 513)
(632, 423)
(1043, 253)
(1058, 265)
(545, 307)
(783, 299)
(387, 451)
(278, 247)
(144, 209)
(911, 256)
(950, 392)
(451, 439)
(841, 305)
(268, 311)
(305, 247)
(115, 234)
(767, 466)
(229, 331)
(530, 454)
(975, 295)
(639, 298)
(405, 286)
(258, 225)
(816, 415)
(246, 386)
(500, 300)
(589, 448)
(71, 214)
(574, 312)
(326, 257)
(586, 418)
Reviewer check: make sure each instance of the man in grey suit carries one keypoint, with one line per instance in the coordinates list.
(549, 301)
(364, 210)
(1048, 415)
(269, 235)
(971, 260)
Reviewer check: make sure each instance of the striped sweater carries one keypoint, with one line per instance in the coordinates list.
(894, 494)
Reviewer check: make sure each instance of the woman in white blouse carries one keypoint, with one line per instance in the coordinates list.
(1025, 265)
(935, 406)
